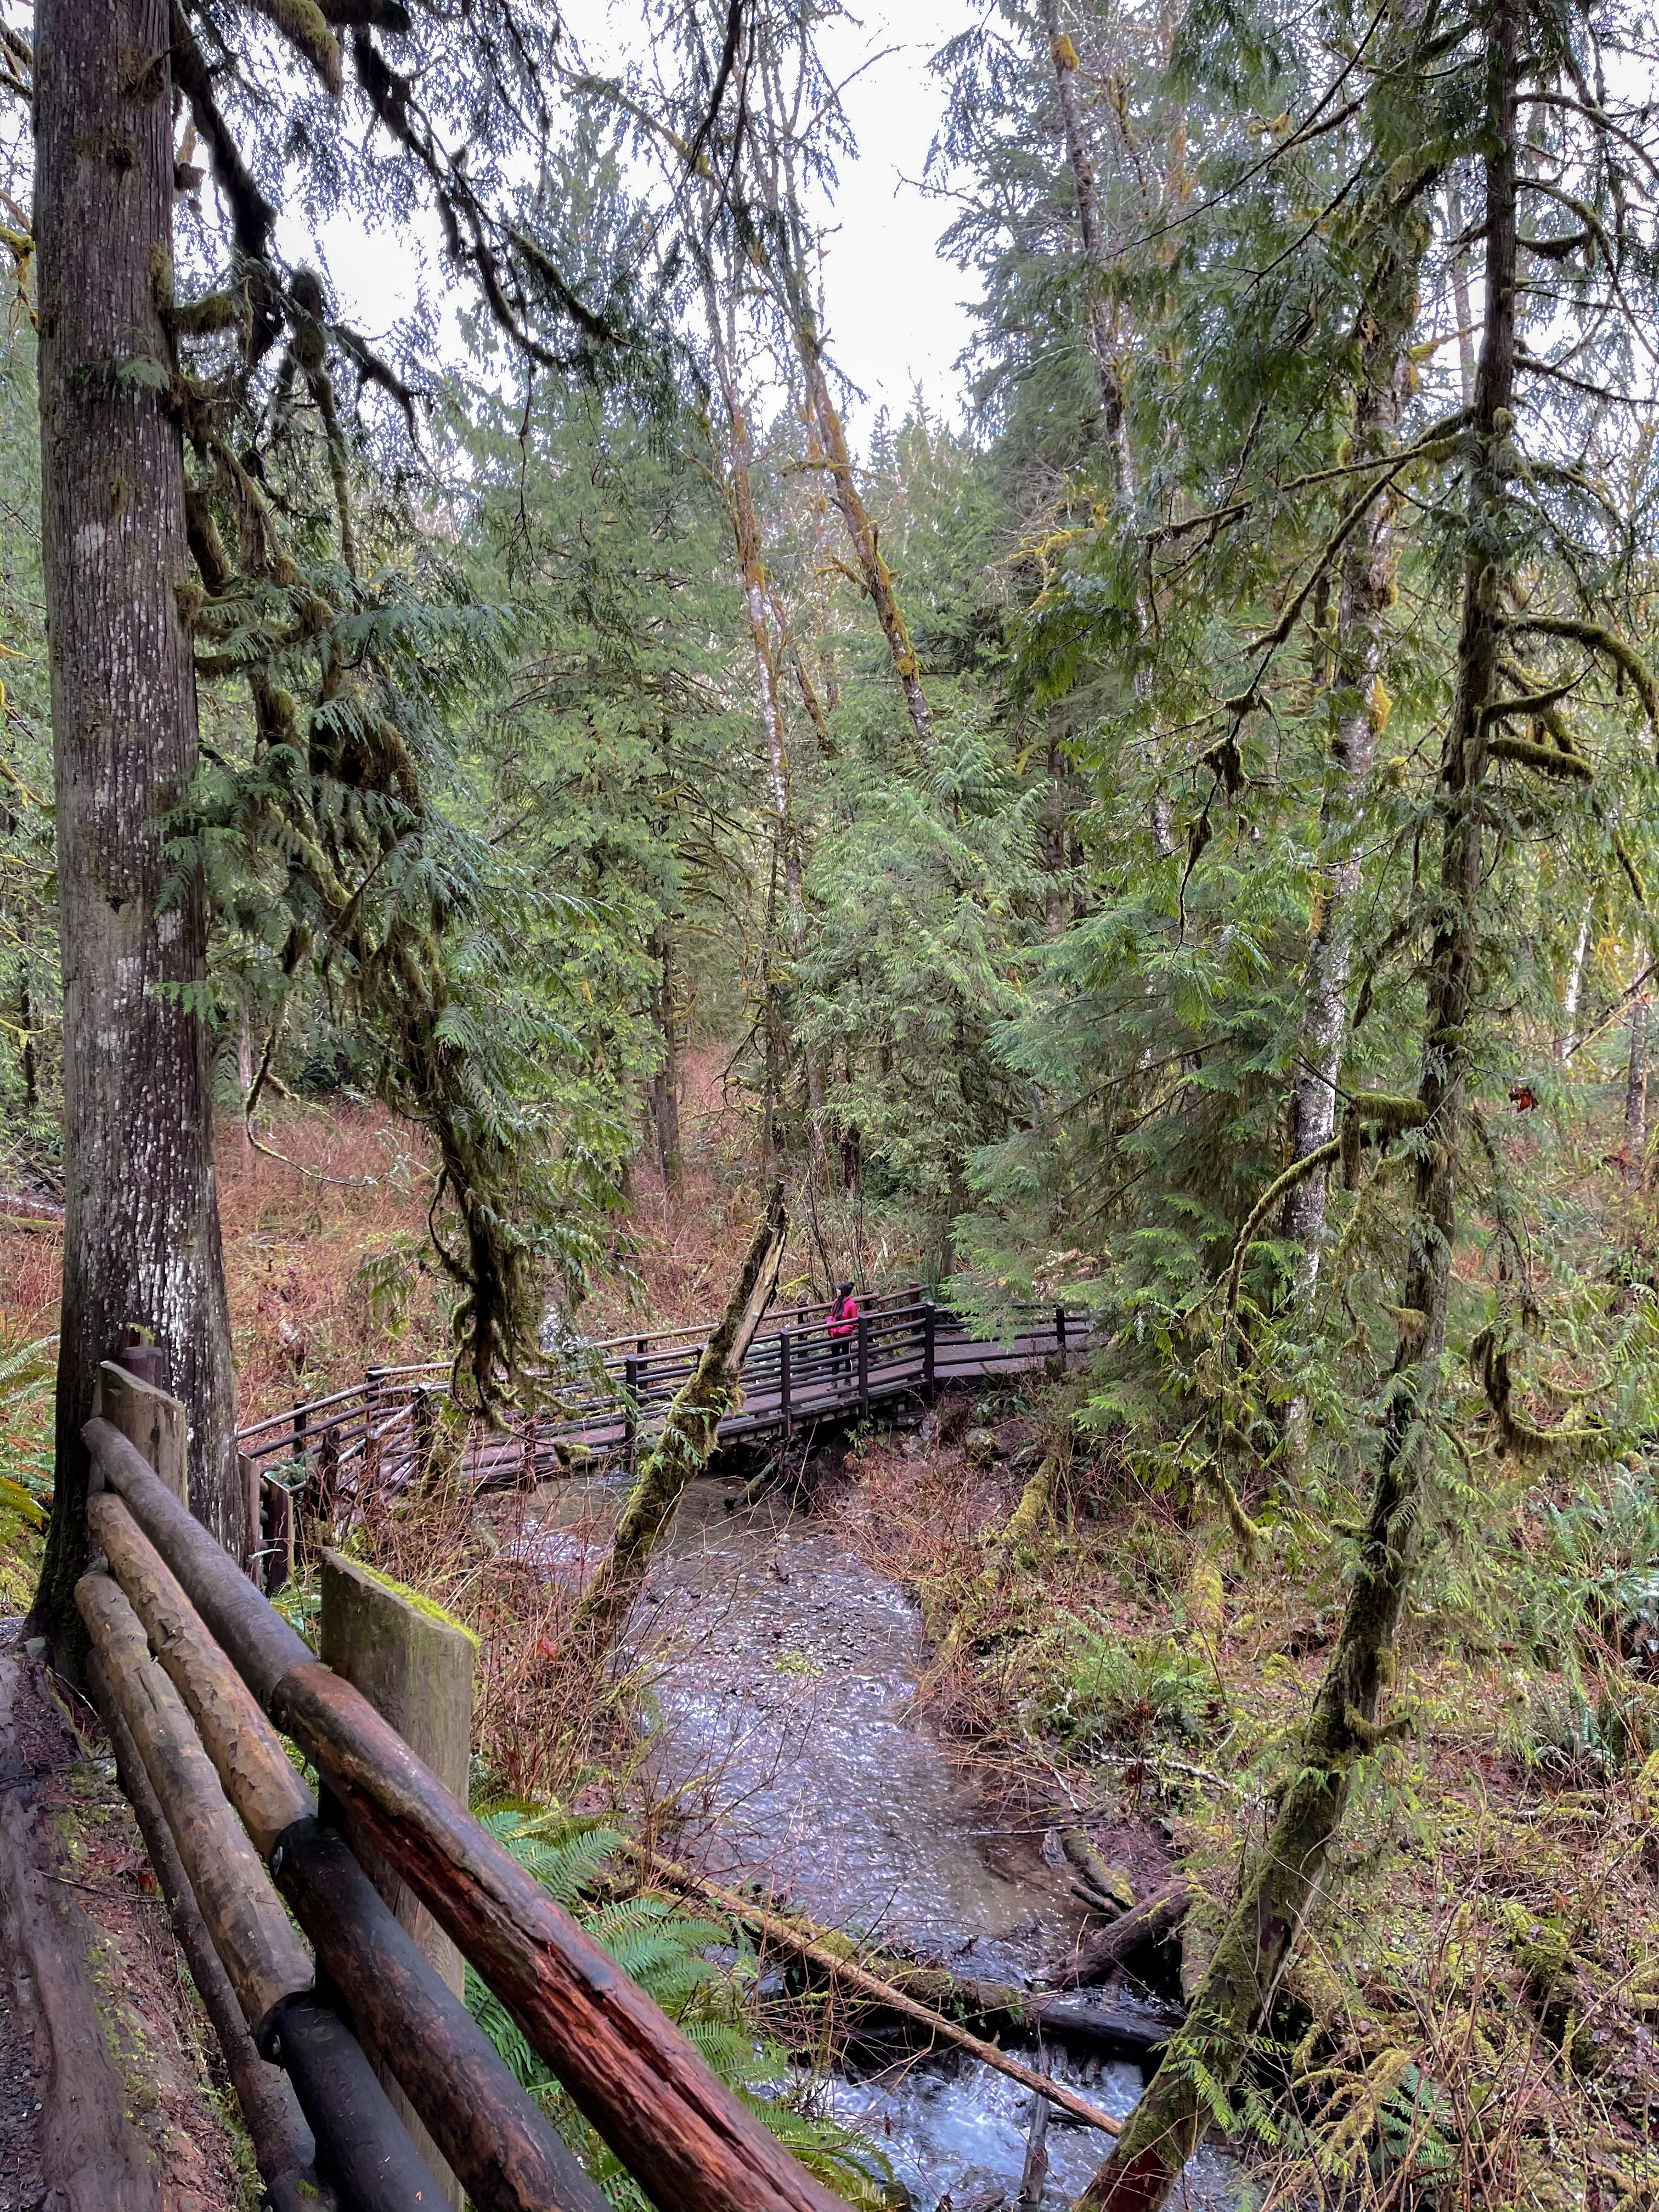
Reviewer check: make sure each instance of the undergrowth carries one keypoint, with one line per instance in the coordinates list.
(703, 1975)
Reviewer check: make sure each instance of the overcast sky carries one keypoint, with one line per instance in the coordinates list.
(895, 310)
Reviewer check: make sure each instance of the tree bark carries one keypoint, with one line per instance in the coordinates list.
(1103, 318)
(1367, 591)
(1636, 1091)
(1575, 983)
(141, 1230)
(1256, 1946)
(1056, 903)
(1460, 282)
(880, 584)
(666, 1083)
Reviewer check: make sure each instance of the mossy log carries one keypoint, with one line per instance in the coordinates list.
(687, 1442)
(1149, 1922)
(1015, 1534)
(257, 1775)
(262, 1956)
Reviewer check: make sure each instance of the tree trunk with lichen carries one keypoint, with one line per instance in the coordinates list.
(666, 1083)
(1255, 1947)
(1636, 1091)
(769, 646)
(879, 583)
(1103, 316)
(1359, 711)
(682, 1451)
(142, 1230)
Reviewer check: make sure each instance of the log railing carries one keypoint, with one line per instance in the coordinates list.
(198, 1723)
(379, 1433)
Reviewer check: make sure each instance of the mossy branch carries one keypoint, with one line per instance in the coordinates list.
(1544, 760)
(688, 1439)
(1276, 1191)
(1595, 638)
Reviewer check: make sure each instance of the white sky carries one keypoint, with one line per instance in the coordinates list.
(894, 310)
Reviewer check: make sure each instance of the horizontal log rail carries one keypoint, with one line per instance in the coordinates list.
(205, 1711)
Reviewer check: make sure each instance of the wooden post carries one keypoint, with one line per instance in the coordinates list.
(783, 1383)
(278, 1524)
(424, 1425)
(630, 1400)
(371, 1432)
(414, 1664)
(929, 1335)
(255, 1563)
(1059, 1329)
(864, 1364)
(322, 1488)
(146, 1416)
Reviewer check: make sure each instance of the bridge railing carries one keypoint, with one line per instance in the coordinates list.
(308, 1464)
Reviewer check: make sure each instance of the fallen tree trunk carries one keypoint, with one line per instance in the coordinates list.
(933, 1996)
(1155, 1916)
(687, 1441)
(846, 1971)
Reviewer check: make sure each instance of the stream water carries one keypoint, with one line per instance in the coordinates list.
(782, 1673)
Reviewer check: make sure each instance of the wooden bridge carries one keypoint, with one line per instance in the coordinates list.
(380, 1433)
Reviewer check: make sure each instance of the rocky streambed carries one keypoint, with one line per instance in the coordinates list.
(781, 1676)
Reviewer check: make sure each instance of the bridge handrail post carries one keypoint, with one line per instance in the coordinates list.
(783, 1383)
(929, 1348)
(1059, 1329)
(864, 1364)
(631, 1402)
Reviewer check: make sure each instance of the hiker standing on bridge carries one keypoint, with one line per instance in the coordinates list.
(843, 1322)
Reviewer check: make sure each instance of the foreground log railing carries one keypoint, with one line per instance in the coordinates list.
(306, 1463)
(201, 1719)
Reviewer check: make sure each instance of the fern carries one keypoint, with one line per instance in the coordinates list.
(28, 1369)
(668, 1952)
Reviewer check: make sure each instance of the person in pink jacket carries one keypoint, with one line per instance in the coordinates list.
(843, 1322)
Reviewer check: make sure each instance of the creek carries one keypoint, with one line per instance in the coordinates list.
(781, 1676)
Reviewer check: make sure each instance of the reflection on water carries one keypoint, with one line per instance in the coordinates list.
(782, 1674)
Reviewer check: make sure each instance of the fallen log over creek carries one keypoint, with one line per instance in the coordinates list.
(931, 1996)
(1154, 1919)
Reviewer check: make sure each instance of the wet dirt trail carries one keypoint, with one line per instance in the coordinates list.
(782, 1674)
